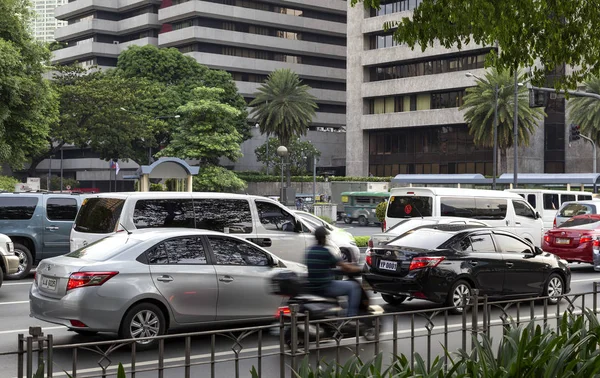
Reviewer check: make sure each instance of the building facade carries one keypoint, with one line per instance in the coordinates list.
(44, 23)
(403, 107)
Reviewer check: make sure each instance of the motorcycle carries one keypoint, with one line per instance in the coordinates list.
(322, 308)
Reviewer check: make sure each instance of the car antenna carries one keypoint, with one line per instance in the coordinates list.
(128, 232)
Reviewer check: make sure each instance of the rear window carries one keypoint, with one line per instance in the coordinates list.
(583, 223)
(573, 209)
(99, 215)
(17, 207)
(478, 208)
(104, 249)
(584, 197)
(409, 207)
(425, 238)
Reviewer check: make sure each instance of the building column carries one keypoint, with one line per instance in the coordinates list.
(145, 183)
(190, 182)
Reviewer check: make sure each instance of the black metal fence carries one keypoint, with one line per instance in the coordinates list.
(268, 350)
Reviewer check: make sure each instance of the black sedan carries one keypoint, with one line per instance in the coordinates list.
(444, 264)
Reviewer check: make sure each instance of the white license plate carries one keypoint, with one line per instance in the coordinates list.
(388, 265)
(48, 284)
(562, 241)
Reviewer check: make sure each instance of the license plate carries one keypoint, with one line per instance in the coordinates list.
(562, 241)
(388, 265)
(48, 284)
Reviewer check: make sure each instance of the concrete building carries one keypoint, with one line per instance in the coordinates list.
(44, 23)
(403, 104)
(247, 38)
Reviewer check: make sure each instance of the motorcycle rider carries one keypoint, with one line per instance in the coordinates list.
(320, 262)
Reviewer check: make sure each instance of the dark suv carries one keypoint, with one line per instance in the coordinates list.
(39, 224)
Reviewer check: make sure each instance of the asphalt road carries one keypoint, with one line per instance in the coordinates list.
(357, 230)
(14, 319)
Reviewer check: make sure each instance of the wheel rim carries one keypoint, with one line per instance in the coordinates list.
(22, 262)
(555, 288)
(346, 257)
(460, 292)
(144, 324)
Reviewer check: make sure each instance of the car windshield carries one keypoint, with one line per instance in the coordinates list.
(573, 209)
(106, 248)
(586, 223)
(409, 206)
(425, 238)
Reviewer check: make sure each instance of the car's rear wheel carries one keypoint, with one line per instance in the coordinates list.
(25, 261)
(1, 276)
(347, 220)
(555, 287)
(394, 300)
(142, 321)
(459, 297)
(363, 221)
(346, 256)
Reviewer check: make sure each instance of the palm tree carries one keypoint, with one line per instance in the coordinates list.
(585, 111)
(283, 107)
(479, 105)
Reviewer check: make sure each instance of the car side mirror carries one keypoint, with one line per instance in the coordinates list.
(538, 251)
(537, 215)
(298, 226)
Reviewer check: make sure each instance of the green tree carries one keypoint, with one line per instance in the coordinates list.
(212, 178)
(300, 155)
(527, 32)
(479, 115)
(585, 111)
(28, 106)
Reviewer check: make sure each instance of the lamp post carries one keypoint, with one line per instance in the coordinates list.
(282, 152)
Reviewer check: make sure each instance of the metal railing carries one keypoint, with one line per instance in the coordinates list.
(233, 347)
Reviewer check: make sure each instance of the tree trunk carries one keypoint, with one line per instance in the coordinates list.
(503, 162)
(38, 159)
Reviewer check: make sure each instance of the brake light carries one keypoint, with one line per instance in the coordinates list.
(77, 323)
(596, 246)
(585, 239)
(368, 258)
(424, 262)
(547, 238)
(384, 225)
(285, 310)
(82, 279)
(554, 223)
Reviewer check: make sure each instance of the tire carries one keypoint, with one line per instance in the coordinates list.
(454, 299)
(555, 286)
(346, 257)
(1, 276)
(362, 221)
(25, 261)
(84, 332)
(393, 300)
(347, 220)
(145, 314)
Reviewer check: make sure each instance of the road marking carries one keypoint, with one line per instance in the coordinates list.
(587, 280)
(26, 331)
(17, 283)
(19, 302)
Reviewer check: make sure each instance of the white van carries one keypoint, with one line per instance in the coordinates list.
(258, 219)
(547, 202)
(499, 209)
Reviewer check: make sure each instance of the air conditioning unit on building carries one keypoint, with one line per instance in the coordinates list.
(115, 42)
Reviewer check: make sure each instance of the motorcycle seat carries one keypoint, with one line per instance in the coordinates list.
(316, 298)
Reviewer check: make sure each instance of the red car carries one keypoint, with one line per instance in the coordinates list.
(575, 240)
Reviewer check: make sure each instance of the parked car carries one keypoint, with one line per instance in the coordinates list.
(9, 262)
(547, 201)
(408, 224)
(573, 240)
(259, 219)
(340, 238)
(143, 283)
(39, 224)
(571, 209)
(499, 209)
(444, 265)
(360, 206)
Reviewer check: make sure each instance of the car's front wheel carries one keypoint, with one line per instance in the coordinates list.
(555, 287)
(347, 220)
(394, 300)
(363, 221)
(459, 297)
(25, 262)
(143, 322)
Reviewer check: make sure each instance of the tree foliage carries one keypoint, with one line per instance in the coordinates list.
(28, 106)
(585, 111)
(479, 115)
(7, 183)
(213, 178)
(283, 107)
(300, 155)
(528, 32)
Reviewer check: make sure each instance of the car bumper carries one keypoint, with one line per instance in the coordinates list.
(81, 304)
(420, 285)
(12, 263)
(579, 254)
(354, 252)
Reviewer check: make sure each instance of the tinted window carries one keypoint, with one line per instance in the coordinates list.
(573, 209)
(163, 213)
(61, 209)
(425, 238)
(229, 251)
(103, 249)
(362, 200)
(274, 218)
(490, 208)
(567, 198)
(482, 243)
(99, 215)
(509, 244)
(531, 198)
(478, 208)
(230, 216)
(585, 223)
(186, 250)
(521, 209)
(584, 197)
(157, 255)
(409, 207)
(550, 201)
(312, 219)
(17, 207)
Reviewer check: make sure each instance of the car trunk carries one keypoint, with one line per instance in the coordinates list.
(395, 261)
(52, 275)
(567, 237)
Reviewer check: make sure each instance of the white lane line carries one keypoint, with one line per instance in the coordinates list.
(587, 280)
(18, 302)
(26, 331)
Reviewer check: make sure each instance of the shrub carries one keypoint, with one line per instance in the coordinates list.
(326, 219)
(380, 211)
(361, 241)
(8, 183)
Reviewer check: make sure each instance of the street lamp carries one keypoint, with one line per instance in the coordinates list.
(282, 152)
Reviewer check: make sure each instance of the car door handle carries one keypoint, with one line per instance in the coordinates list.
(226, 279)
(165, 279)
(52, 228)
(509, 264)
(473, 262)
(507, 222)
(517, 223)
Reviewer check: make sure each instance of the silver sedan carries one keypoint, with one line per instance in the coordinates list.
(143, 283)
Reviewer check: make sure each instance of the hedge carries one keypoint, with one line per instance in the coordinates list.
(250, 176)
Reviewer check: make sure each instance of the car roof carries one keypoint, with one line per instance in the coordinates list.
(152, 195)
(455, 192)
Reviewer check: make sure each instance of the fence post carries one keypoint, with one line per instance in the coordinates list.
(281, 344)
(20, 352)
(595, 299)
(294, 331)
(474, 321)
(29, 352)
(50, 355)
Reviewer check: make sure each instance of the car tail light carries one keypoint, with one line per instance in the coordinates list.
(370, 243)
(384, 225)
(424, 262)
(77, 323)
(285, 310)
(585, 239)
(547, 238)
(35, 278)
(596, 246)
(368, 258)
(554, 223)
(82, 279)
